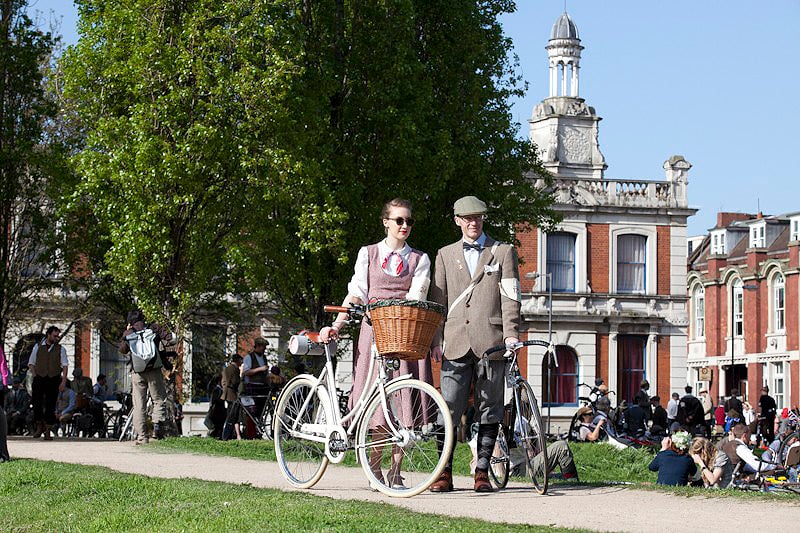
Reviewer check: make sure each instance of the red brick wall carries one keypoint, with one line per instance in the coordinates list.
(244, 340)
(602, 357)
(794, 384)
(522, 358)
(597, 260)
(754, 381)
(662, 363)
(716, 322)
(663, 260)
(755, 316)
(528, 257)
(791, 312)
(83, 347)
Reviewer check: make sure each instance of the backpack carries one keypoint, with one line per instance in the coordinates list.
(144, 352)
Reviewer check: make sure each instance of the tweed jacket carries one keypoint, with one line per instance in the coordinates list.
(230, 382)
(490, 313)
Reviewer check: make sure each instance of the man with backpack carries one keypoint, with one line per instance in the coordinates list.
(142, 342)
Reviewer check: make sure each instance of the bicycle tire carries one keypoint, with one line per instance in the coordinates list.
(302, 461)
(529, 432)
(420, 425)
(785, 443)
(113, 425)
(500, 462)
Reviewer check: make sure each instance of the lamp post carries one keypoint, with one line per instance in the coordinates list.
(733, 324)
(552, 356)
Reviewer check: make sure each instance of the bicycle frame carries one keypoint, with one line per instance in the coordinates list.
(325, 380)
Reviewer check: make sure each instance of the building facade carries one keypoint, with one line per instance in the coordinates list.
(615, 264)
(744, 320)
(207, 343)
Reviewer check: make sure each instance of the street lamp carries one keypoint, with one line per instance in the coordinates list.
(552, 357)
(733, 324)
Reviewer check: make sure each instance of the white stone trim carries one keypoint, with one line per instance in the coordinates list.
(581, 273)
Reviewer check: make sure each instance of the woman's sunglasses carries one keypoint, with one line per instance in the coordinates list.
(400, 221)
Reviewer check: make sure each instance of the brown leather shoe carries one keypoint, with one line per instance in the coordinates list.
(482, 482)
(444, 483)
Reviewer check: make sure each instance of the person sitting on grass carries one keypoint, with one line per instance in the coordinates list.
(716, 469)
(588, 431)
(673, 465)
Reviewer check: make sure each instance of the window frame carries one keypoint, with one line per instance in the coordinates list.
(698, 319)
(548, 260)
(778, 315)
(643, 289)
(737, 301)
(564, 350)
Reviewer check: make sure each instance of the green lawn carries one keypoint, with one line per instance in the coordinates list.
(47, 496)
(597, 463)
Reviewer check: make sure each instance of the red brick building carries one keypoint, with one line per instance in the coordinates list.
(616, 263)
(743, 288)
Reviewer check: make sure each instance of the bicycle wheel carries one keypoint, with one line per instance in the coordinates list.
(405, 460)
(300, 451)
(113, 425)
(500, 462)
(787, 441)
(529, 433)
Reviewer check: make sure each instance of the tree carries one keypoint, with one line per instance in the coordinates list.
(29, 164)
(238, 146)
(405, 98)
(174, 143)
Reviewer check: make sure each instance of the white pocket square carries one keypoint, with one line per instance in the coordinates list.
(491, 268)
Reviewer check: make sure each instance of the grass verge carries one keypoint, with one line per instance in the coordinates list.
(599, 464)
(47, 496)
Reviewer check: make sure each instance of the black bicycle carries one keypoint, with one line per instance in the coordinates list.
(244, 406)
(523, 427)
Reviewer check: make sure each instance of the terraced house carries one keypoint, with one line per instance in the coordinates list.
(743, 285)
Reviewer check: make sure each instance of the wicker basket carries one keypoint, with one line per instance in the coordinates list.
(404, 328)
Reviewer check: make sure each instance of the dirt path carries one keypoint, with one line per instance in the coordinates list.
(603, 508)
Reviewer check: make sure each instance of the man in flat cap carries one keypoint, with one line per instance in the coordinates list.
(477, 278)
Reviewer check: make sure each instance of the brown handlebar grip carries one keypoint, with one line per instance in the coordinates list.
(335, 309)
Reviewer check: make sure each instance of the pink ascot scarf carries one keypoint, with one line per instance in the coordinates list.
(400, 264)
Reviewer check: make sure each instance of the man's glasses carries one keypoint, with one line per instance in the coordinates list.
(472, 218)
(400, 221)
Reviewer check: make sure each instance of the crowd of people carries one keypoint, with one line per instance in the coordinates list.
(700, 443)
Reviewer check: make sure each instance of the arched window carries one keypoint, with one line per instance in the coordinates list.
(561, 260)
(738, 308)
(778, 303)
(699, 311)
(563, 388)
(631, 263)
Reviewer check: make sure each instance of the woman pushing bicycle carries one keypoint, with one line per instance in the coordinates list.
(389, 269)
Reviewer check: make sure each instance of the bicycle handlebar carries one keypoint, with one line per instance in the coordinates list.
(353, 310)
(516, 346)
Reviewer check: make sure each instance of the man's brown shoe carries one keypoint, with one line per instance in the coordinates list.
(482, 482)
(444, 483)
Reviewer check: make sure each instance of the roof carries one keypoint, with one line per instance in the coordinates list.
(564, 28)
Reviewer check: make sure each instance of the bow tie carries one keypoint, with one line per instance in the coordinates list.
(477, 247)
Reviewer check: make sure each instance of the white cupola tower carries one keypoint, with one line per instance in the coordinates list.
(563, 127)
(564, 51)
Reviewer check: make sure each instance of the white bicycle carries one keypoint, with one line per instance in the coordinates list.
(398, 427)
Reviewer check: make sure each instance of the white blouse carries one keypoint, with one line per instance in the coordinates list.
(420, 281)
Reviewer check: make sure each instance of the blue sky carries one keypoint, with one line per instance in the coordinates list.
(714, 80)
